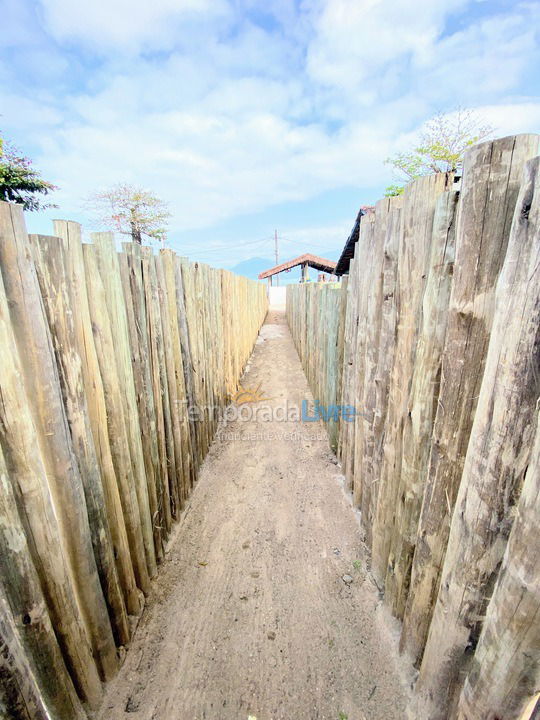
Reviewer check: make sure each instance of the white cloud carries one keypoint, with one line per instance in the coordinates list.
(514, 118)
(483, 60)
(356, 39)
(211, 167)
(230, 118)
(126, 24)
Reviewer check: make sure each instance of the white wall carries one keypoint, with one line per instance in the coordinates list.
(277, 297)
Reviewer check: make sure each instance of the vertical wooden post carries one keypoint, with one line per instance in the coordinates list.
(422, 401)
(70, 233)
(132, 283)
(497, 458)
(172, 385)
(40, 371)
(115, 415)
(491, 177)
(108, 264)
(26, 632)
(505, 671)
(358, 295)
(21, 445)
(368, 255)
(348, 356)
(418, 210)
(364, 441)
(187, 365)
(168, 260)
(49, 260)
(377, 405)
(159, 385)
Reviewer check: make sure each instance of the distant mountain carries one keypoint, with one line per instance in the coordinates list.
(252, 267)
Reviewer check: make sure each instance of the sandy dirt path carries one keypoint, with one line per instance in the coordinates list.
(250, 615)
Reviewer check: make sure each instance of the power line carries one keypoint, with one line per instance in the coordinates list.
(308, 243)
(250, 243)
(223, 247)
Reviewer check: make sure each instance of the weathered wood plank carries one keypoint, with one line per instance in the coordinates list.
(26, 467)
(359, 282)
(159, 388)
(505, 672)
(49, 260)
(175, 477)
(132, 283)
(109, 269)
(36, 354)
(422, 402)
(187, 366)
(491, 178)
(365, 409)
(115, 415)
(496, 461)
(348, 359)
(30, 649)
(376, 405)
(169, 270)
(70, 233)
(418, 210)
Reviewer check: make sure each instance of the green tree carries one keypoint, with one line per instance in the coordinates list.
(130, 210)
(19, 182)
(443, 143)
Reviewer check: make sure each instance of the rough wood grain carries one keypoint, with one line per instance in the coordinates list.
(36, 354)
(187, 366)
(414, 250)
(109, 269)
(365, 410)
(176, 472)
(49, 260)
(348, 359)
(25, 625)
(377, 405)
(115, 415)
(505, 671)
(132, 283)
(159, 387)
(180, 408)
(422, 402)
(45, 538)
(70, 233)
(491, 177)
(496, 461)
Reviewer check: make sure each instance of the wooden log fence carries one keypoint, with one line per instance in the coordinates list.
(316, 323)
(437, 345)
(113, 369)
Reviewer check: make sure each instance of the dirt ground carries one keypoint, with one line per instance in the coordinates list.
(263, 608)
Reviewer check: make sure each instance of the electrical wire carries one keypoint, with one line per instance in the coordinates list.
(222, 248)
(196, 252)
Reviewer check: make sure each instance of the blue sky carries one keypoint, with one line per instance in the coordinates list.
(248, 116)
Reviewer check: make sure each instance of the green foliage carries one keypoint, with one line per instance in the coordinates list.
(393, 190)
(20, 183)
(130, 210)
(442, 146)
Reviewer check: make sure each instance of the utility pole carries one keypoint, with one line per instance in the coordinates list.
(276, 253)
